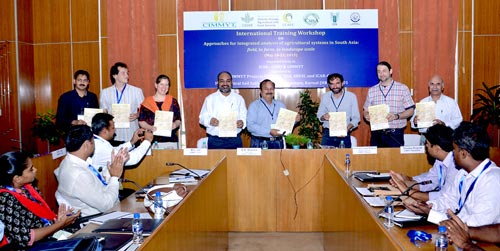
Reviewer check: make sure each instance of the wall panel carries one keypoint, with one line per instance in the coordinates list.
(86, 57)
(336, 4)
(253, 5)
(51, 21)
(25, 21)
(84, 20)
(166, 16)
(7, 28)
(300, 4)
(464, 91)
(486, 60)
(167, 51)
(486, 17)
(26, 93)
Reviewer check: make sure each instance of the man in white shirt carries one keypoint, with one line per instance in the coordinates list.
(103, 128)
(220, 103)
(122, 93)
(447, 110)
(439, 146)
(474, 195)
(80, 184)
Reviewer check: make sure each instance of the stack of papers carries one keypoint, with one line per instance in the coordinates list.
(182, 179)
(183, 172)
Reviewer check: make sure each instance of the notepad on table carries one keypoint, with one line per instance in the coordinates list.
(112, 215)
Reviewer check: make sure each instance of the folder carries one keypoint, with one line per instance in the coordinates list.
(124, 225)
(371, 176)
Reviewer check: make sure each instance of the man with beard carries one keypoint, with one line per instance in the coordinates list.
(71, 104)
(447, 110)
(401, 106)
(338, 100)
(262, 114)
(221, 103)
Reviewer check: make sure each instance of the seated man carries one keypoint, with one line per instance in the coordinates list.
(461, 235)
(439, 146)
(80, 184)
(474, 193)
(103, 128)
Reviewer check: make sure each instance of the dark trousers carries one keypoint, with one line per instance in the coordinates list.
(271, 144)
(387, 138)
(216, 142)
(326, 140)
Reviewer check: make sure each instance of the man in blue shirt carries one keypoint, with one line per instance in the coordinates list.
(262, 115)
(338, 100)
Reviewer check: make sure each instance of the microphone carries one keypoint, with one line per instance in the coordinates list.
(405, 193)
(145, 192)
(183, 167)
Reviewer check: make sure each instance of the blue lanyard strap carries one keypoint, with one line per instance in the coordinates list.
(118, 99)
(270, 113)
(460, 186)
(440, 177)
(340, 102)
(92, 168)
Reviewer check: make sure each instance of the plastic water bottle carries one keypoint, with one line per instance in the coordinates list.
(441, 239)
(204, 145)
(137, 239)
(310, 144)
(155, 145)
(158, 206)
(342, 145)
(264, 145)
(389, 212)
(347, 164)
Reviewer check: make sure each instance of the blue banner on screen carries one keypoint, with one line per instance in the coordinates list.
(295, 49)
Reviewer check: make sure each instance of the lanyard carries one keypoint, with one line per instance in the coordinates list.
(118, 99)
(387, 94)
(92, 168)
(440, 177)
(270, 113)
(335, 105)
(460, 186)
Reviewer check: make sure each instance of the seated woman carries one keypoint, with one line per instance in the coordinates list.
(26, 216)
(163, 102)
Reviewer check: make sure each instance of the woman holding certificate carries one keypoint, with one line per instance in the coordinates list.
(160, 113)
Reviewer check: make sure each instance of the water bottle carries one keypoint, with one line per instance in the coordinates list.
(310, 144)
(137, 239)
(441, 239)
(158, 206)
(155, 145)
(389, 212)
(204, 145)
(347, 164)
(342, 145)
(264, 145)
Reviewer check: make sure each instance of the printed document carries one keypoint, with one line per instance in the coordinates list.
(426, 112)
(378, 117)
(88, 114)
(163, 123)
(121, 112)
(338, 124)
(285, 121)
(227, 124)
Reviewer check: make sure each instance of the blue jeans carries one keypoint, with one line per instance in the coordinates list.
(216, 142)
(335, 141)
(387, 138)
(256, 142)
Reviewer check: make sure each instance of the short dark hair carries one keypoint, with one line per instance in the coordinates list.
(222, 72)
(386, 64)
(440, 135)
(77, 135)
(81, 72)
(264, 81)
(114, 70)
(473, 139)
(12, 164)
(162, 76)
(101, 121)
(334, 76)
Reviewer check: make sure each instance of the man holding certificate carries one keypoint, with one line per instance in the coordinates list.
(338, 110)
(224, 114)
(441, 108)
(387, 107)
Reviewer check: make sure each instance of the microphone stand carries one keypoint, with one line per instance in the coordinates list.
(185, 168)
(147, 194)
(404, 193)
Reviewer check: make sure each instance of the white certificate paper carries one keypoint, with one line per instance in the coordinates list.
(338, 124)
(227, 124)
(426, 112)
(163, 123)
(88, 114)
(121, 112)
(378, 117)
(285, 121)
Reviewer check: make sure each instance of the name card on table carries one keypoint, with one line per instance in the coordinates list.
(248, 151)
(195, 151)
(411, 149)
(364, 150)
(59, 153)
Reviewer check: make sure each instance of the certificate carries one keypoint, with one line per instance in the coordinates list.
(378, 117)
(285, 121)
(227, 124)
(88, 114)
(426, 112)
(121, 112)
(163, 123)
(338, 124)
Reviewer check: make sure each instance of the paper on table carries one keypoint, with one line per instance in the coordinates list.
(121, 112)
(184, 172)
(379, 175)
(375, 201)
(112, 215)
(407, 214)
(163, 123)
(378, 117)
(88, 114)
(227, 124)
(426, 112)
(338, 124)
(285, 121)
(364, 191)
(181, 179)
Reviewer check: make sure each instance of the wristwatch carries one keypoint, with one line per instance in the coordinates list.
(397, 114)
